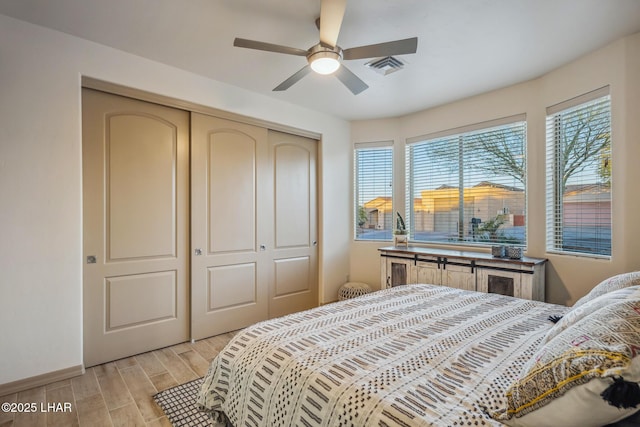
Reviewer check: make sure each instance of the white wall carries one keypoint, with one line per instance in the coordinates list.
(40, 182)
(568, 277)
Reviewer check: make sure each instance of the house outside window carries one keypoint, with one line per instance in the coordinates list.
(579, 175)
(468, 185)
(373, 182)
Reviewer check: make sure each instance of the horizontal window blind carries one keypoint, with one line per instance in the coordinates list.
(469, 187)
(373, 181)
(578, 186)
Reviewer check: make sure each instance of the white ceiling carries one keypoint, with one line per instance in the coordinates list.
(465, 47)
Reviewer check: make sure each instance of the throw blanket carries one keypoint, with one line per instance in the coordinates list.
(413, 355)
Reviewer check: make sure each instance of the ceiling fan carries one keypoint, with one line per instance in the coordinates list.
(326, 56)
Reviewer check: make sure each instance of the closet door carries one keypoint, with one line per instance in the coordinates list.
(293, 285)
(135, 226)
(230, 244)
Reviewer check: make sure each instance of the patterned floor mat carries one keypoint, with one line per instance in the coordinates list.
(179, 405)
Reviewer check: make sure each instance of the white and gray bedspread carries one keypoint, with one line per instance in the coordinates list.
(413, 355)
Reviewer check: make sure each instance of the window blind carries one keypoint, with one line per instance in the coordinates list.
(578, 186)
(469, 187)
(373, 182)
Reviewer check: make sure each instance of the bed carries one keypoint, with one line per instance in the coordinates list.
(414, 355)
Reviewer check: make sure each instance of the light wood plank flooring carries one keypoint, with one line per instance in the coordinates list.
(118, 393)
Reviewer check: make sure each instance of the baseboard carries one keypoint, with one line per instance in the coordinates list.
(40, 380)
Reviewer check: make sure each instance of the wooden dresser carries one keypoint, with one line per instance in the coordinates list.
(476, 271)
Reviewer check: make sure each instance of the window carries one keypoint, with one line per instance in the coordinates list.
(373, 179)
(579, 175)
(468, 185)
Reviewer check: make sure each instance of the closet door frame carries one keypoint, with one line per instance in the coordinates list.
(116, 89)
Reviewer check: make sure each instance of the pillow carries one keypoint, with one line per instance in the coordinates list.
(611, 284)
(585, 376)
(578, 313)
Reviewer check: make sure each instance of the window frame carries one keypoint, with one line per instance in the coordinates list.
(372, 146)
(555, 228)
(461, 133)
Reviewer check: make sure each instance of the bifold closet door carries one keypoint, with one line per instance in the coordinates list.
(231, 246)
(135, 226)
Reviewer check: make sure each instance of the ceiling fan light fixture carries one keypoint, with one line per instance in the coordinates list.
(325, 65)
(324, 60)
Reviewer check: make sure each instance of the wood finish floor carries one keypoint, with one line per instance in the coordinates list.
(117, 393)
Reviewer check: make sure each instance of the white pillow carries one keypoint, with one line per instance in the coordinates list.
(578, 313)
(562, 384)
(611, 284)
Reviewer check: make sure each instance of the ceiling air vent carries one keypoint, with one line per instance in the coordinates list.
(386, 65)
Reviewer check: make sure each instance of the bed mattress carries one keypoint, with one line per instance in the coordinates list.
(414, 355)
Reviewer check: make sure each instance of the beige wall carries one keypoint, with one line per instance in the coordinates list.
(568, 277)
(40, 182)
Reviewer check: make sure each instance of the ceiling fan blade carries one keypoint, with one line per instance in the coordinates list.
(293, 79)
(269, 47)
(398, 47)
(350, 80)
(331, 14)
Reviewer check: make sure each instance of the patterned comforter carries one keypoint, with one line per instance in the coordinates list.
(413, 355)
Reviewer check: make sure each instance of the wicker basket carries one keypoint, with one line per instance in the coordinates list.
(352, 290)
